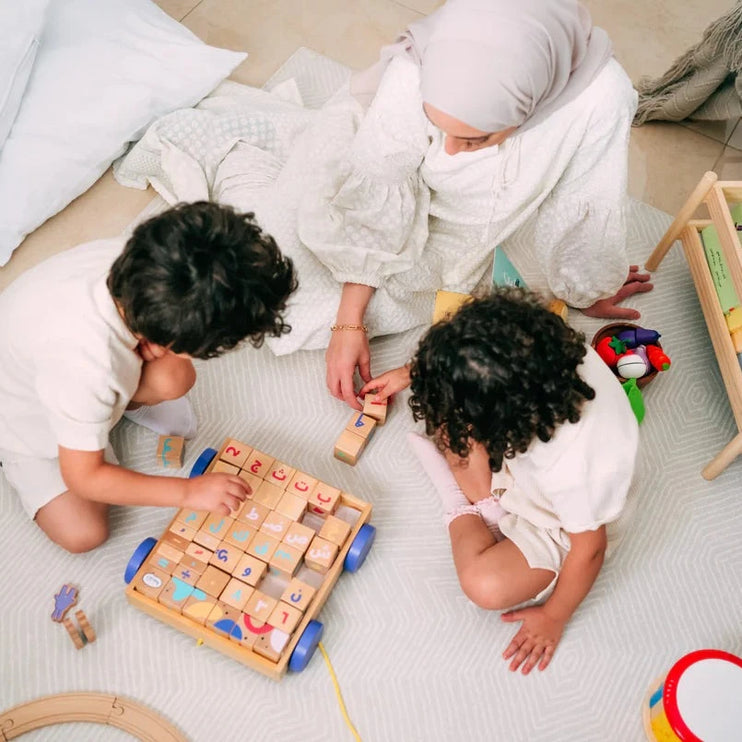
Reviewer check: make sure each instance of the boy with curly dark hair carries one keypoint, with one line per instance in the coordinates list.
(97, 332)
(538, 445)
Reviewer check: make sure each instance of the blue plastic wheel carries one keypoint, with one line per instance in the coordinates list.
(359, 548)
(137, 558)
(202, 462)
(304, 649)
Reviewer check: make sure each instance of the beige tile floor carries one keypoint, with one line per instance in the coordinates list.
(665, 159)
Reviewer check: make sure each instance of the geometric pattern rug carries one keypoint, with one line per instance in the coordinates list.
(414, 658)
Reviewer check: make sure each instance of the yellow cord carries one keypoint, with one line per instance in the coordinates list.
(338, 693)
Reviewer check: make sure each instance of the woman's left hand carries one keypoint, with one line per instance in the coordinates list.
(536, 639)
(636, 283)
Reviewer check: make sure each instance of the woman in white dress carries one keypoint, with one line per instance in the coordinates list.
(528, 118)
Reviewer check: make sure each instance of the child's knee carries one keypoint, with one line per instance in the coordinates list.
(84, 538)
(166, 378)
(485, 588)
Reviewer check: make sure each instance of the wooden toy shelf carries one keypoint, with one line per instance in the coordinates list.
(716, 195)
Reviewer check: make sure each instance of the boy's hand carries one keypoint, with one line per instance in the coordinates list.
(388, 383)
(536, 639)
(216, 492)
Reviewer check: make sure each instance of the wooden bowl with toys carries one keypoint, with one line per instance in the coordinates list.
(631, 352)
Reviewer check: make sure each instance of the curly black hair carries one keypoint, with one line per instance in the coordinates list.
(200, 278)
(502, 371)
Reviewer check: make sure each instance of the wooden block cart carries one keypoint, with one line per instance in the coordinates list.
(716, 195)
(252, 584)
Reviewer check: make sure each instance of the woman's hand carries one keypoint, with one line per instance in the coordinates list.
(536, 639)
(636, 283)
(389, 383)
(216, 492)
(348, 350)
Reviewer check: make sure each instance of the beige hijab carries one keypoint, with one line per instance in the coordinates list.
(494, 64)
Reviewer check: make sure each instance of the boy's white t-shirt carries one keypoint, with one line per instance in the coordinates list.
(69, 365)
(579, 479)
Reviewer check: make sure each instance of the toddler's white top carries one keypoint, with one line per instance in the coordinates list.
(69, 365)
(579, 479)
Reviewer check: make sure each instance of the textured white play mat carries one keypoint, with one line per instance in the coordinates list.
(416, 661)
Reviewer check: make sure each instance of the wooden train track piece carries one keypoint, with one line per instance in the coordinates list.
(96, 708)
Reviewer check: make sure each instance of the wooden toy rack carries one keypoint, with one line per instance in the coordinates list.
(716, 195)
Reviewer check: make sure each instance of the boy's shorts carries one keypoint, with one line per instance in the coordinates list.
(36, 480)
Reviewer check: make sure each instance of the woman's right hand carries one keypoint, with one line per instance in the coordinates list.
(348, 350)
(216, 492)
(389, 383)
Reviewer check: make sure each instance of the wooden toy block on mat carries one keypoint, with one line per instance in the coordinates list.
(374, 408)
(170, 451)
(354, 438)
(251, 584)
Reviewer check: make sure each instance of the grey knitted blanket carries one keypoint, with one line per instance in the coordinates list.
(705, 83)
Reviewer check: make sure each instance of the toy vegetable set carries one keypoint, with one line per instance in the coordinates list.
(635, 356)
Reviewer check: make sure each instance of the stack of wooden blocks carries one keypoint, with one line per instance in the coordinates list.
(359, 430)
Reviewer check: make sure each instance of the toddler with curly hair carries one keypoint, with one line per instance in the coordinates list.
(109, 329)
(532, 449)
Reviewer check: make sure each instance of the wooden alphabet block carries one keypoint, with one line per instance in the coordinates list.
(349, 447)
(320, 555)
(198, 606)
(334, 530)
(239, 535)
(208, 540)
(223, 618)
(226, 468)
(298, 537)
(226, 556)
(182, 530)
(161, 562)
(250, 570)
(170, 451)
(217, 525)
(187, 574)
(253, 480)
(285, 560)
(301, 484)
(362, 425)
(175, 539)
(258, 463)
(447, 303)
(280, 474)
(292, 506)
(298, 594)
(324, 499)
(374, 408)
(235, 453)
(175, 594)
(199, 553)
(275, 524)
(260, 606)
(192, 518)
(253, 513)
(284, 617)
(236, 594)
(262, 546)
(268, 495)
(212, 581)
(271, 644)
(151, 583)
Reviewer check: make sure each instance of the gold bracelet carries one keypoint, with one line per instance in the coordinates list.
(363, 328)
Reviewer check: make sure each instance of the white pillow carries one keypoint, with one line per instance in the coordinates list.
(20, 27)
(105, 70)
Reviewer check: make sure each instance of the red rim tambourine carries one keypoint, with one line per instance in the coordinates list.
(700, 699)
